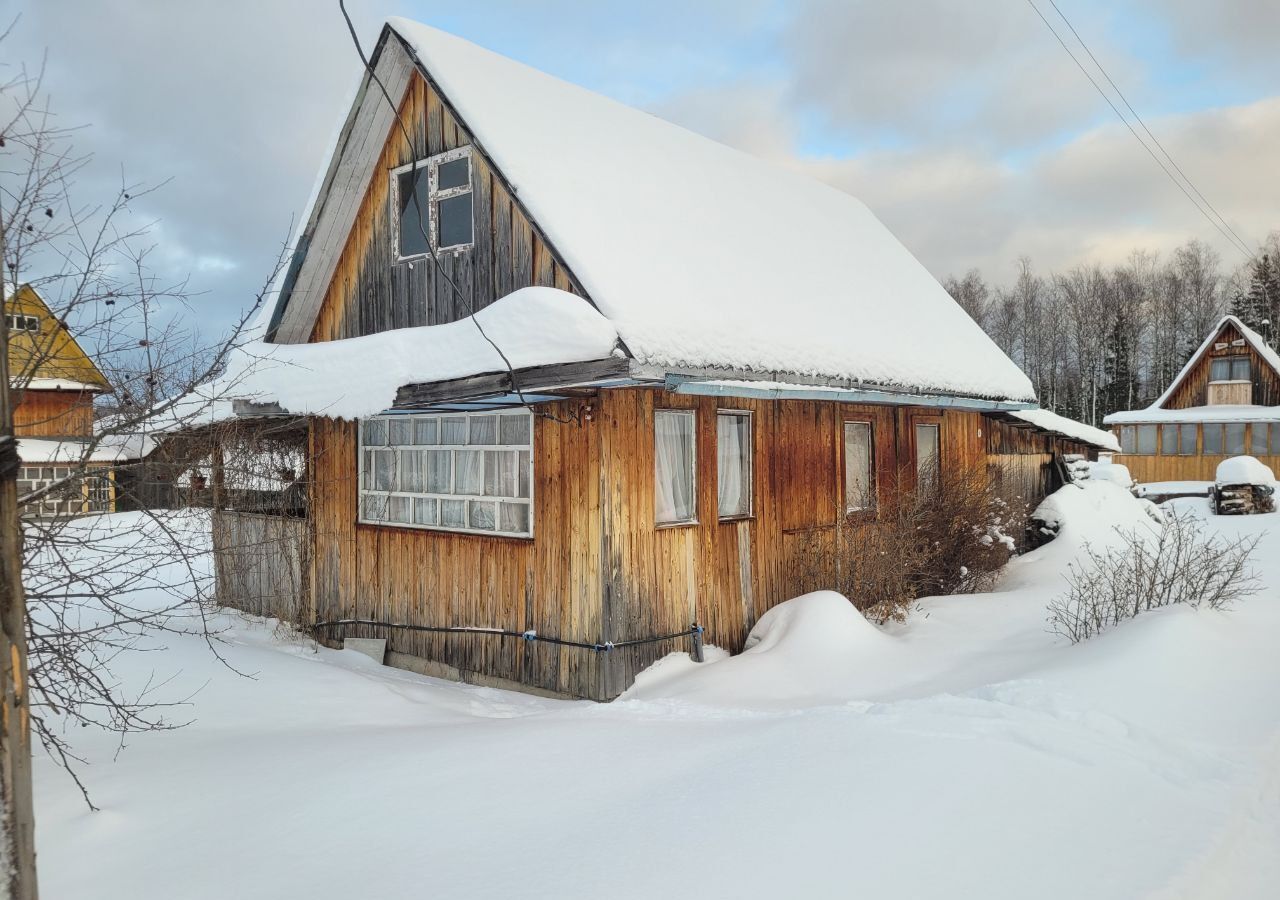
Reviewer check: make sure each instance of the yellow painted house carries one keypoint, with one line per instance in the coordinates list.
(54, 383)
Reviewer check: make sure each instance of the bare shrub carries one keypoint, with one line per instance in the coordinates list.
(1149, 568)
(948, 537)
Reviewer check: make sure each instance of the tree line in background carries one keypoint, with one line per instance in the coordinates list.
(1095, 340)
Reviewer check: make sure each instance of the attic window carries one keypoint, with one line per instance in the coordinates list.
(24, 323)
(1229, 368)
(432, 202)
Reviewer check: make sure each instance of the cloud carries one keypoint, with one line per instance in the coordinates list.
(986, 74)
(233, 102)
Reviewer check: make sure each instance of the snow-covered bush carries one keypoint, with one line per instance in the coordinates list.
(1148, 568)
(952, 538)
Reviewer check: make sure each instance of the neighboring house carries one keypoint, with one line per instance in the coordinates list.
(1225, 402)
(720, 370)
(54, 383)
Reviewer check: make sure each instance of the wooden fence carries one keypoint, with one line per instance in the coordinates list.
(261, 564)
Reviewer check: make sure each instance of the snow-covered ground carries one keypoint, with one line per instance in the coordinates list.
(965, 753)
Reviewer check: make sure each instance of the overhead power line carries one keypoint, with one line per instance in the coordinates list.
(1202, 205)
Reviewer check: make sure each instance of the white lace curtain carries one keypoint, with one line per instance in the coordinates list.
(674, 484)
(733, 464)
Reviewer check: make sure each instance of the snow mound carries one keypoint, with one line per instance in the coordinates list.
(801, 651)
(1244, 470)
(1115, 473)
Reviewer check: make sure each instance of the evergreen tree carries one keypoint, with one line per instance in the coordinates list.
(1118, 382)
(1259, 305)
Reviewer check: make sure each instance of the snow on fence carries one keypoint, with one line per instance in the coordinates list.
(261, 564)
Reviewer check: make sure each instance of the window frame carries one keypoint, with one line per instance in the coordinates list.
(872, 481)
(495, 532)
(1231, 361)
(1155, 439)
(936, 425)
(434, 196)
(749, 415)
(692, 414)
(23, 322)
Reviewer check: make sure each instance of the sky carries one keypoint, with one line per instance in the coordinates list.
(965, 127)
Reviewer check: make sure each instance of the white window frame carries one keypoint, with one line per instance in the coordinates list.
(362, 492)
(693, 467)
(434, 196)
(23, 322)
(751, 463)
(872, 481)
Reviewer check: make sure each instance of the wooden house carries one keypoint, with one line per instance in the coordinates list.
(699, 377)
(1225, 402)
(55, 382)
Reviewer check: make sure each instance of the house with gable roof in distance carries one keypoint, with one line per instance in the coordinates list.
(1225, 402)
(54, 384)
(570, 370)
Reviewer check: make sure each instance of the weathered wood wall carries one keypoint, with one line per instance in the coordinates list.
(41, 413)
(599, 569)
(1194, 389)
(371, 292)
(262, 564)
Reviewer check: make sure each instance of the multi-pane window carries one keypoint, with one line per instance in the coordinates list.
(432, 200)
(18, 322)
(927, 457)
(459, 472)
(69, 496)
(859, 472)
(1224, 439)
(1229, 368)
(733, 464)
(1178, 440)
(1266, 439)
(675, 464)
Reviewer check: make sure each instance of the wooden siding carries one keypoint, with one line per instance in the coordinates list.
(599, 569)
(53, 414)
(1159, 466)
(1193, 389)
(371, 292)
(261, 564)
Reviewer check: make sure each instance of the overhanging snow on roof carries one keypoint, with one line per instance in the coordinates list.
(700, 256)
(1195, 414)
(777, 390)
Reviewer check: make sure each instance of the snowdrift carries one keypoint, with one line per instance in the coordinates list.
(818, 649)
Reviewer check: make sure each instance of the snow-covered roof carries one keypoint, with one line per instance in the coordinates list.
(705, 258)
(357, 377)
(1225, 412)
(1068, 428)
(111, 448)
(1254, 339)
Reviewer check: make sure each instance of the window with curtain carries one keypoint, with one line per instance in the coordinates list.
(1177, 440)
(733, 464)
(859, 468)
(1234, 438)
(1128, 439)
(432, 200)
(1229, 368)
(675, 494)
(1213, 442)
(468, 472)
(1265, 440)
(928, 459)
(1146, 440)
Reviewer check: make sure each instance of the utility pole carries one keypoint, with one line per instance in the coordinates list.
(17, 817)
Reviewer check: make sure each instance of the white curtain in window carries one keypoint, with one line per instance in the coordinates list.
(857, 467)
(733, 464)
(674, 488)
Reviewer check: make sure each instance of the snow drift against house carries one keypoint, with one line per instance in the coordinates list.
(704, 257)
(356, 377)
